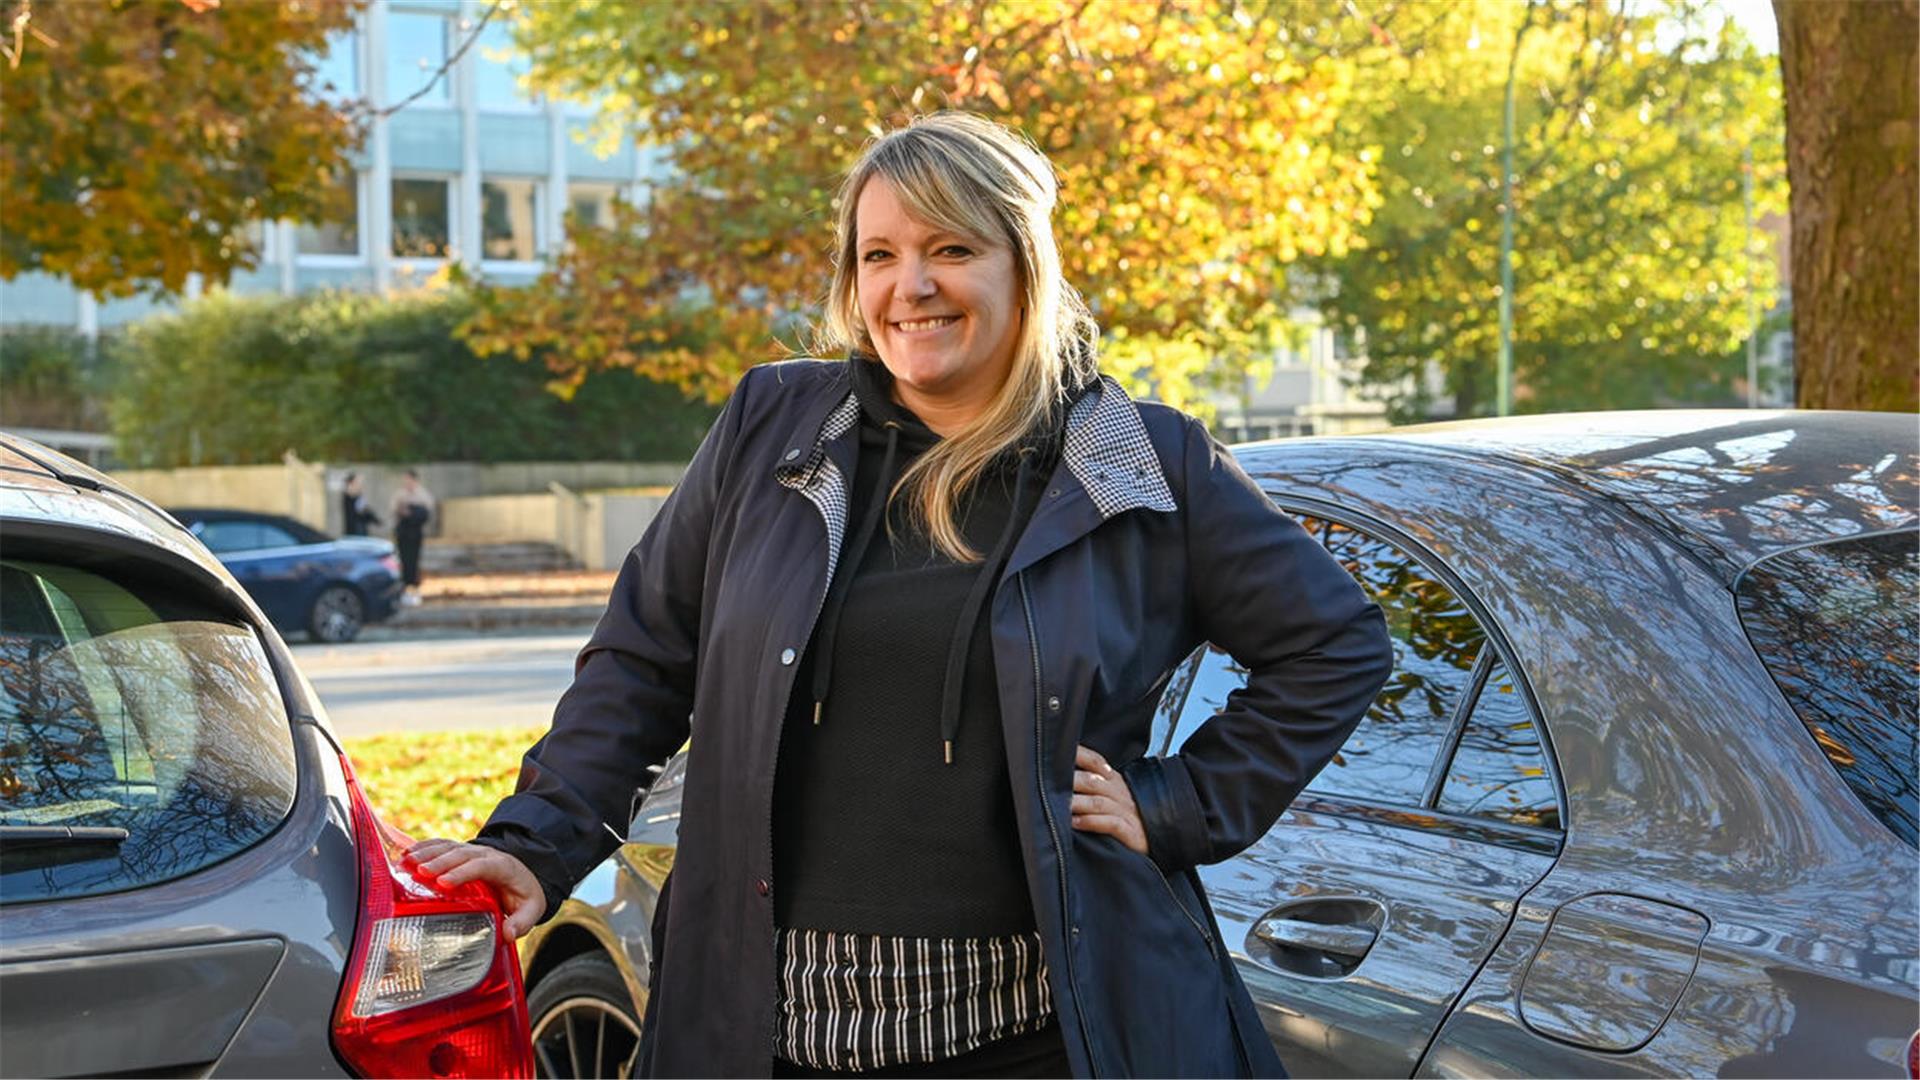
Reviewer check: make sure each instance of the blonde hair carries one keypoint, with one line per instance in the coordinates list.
(967, 174)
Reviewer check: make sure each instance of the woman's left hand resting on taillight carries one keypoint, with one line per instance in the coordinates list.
(454, 863)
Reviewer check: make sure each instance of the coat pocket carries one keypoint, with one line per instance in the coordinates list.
(1150, 967)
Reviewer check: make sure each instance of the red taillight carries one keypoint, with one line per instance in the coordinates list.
(392, 563)
(433, 985)
(1913, 1057)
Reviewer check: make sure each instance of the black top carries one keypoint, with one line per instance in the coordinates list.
(874, 831)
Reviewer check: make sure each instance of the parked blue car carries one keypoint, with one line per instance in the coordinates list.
(301, 577)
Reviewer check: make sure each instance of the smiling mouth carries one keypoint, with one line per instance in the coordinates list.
(915, 326)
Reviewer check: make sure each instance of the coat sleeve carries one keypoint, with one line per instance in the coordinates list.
(631, 699)
(1315, 648)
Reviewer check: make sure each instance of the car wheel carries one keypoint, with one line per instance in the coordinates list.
(583, 1021)
(337, 615)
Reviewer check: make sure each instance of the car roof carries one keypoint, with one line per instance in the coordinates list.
(222, 513)
(1744, 483)
(209, 515)
(38, 484)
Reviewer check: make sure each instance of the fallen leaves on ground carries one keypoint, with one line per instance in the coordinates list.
(439, 783)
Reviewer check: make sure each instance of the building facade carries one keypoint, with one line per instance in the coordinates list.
(460, 165)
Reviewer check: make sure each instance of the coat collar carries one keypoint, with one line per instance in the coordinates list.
(1106, 451)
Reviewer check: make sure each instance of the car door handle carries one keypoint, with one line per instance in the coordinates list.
(1322, 937)
(1346, 942)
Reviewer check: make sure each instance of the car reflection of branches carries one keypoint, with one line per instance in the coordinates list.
(205, 765)
(1435, 639)
(1708, 478)
(1837, 629)
(1499, 769)
(51, 752)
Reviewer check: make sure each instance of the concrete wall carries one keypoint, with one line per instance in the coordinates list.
(499, 517)
(464, 491)
(477, 502)
(596, 528)
(622, 518)
(294, 488)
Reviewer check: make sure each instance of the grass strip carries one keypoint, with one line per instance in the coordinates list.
(439, 783)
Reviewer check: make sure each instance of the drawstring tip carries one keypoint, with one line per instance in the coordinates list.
(816, 712)
(949, 746)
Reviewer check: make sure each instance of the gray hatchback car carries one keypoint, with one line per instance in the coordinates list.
(191, 883)
(1638, 799)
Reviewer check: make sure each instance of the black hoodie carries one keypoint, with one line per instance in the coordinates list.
(893, 812)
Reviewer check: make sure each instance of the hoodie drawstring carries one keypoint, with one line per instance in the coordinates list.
(849, 566)
(962, 644)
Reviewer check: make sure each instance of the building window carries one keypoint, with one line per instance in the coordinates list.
(416, 53)
(592, 204)
(422, 219)
(509, 220)
(340, 236)
(336, 71)
(497, 69)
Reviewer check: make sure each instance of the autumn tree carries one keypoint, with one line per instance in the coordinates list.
(1194, 142)
(1852, 75)
(1634, 257)
(143, 137)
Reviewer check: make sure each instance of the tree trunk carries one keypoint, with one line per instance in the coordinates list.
(1851, 71)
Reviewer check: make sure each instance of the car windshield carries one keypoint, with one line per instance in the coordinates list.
(129, 706)
(1838, 628)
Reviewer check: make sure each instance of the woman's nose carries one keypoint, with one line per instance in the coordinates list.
(916, 283)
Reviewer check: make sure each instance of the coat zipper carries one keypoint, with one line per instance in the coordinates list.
(780, 731)
(1175, 897)
(1053, 828)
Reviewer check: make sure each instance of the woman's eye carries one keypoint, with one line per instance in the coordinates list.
(957, 251)
(873, 256)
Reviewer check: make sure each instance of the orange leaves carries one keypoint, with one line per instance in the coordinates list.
(1182, 132)
(143, 137)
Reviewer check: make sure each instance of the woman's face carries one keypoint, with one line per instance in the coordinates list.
(943, 309)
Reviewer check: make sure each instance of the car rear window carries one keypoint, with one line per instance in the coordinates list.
(127, 705)
(1839, 630)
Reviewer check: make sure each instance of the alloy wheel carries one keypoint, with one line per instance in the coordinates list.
(585, 1036)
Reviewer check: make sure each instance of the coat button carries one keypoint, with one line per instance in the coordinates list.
(786, 656)
(762, 887)
(792, 454)
(1053, 704)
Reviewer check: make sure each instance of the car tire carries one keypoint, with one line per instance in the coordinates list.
(584, 1023)
(337, 615)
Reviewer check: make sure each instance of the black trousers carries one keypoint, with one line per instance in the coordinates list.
(407, 538)
(1036, 1054)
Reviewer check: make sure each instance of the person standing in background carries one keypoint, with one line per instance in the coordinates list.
(411, 510)
(356, 513)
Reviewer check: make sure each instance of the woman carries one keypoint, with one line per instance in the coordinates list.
(411, 509)
(916, 608)
(355, 511)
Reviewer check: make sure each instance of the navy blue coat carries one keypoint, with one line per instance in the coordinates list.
(1147, 541)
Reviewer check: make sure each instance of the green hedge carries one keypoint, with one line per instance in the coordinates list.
(233, 380)
(49, 379)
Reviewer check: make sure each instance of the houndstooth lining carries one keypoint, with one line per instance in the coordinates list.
(1107, 450)
(821, 481)
(1109, 453)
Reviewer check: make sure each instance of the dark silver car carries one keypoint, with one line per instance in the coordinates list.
(190, 881)
(1639, 798)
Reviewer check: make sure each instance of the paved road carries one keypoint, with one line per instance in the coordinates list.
(441, 684)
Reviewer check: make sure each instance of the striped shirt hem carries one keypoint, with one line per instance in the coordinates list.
(853, 1002)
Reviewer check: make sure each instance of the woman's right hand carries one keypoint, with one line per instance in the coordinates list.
(455, 863)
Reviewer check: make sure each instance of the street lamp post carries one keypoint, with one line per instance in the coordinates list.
(1753, 306)
(1503, 393)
